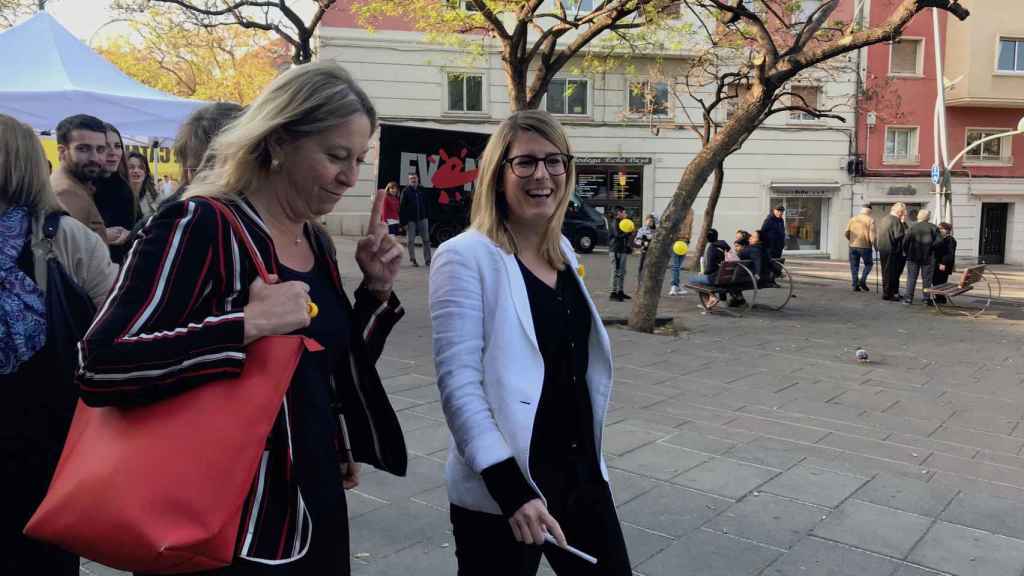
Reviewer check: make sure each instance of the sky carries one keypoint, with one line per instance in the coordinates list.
(87, 19)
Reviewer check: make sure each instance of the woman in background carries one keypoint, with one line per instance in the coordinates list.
(114, 198)
(141, 182)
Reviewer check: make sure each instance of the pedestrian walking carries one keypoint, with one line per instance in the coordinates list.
(414, 214)
(618, 255)
(524, 369)
(862, 236)
(773, 238)
(890, 241)
(920, 251)
(682, 234)
(392, 206)
(39, 391)
(191, 300)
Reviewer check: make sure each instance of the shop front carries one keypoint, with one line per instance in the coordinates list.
(807, 215)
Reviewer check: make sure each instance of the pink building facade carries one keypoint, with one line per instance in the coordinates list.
(984, 97)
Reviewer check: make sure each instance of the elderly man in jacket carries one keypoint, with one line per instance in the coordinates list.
(921, 241)
(891, 231)
(860, 232)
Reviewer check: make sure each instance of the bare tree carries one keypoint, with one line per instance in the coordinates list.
(282, 17)
(536, 38)
(12, 10)
(780, 40)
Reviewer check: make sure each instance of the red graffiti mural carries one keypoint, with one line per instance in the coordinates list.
(451, 174)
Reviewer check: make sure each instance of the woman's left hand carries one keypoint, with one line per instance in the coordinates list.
(379, 255)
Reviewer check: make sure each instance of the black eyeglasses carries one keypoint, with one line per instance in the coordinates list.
(525, 165)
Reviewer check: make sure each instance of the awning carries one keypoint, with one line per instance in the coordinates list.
(805, 184)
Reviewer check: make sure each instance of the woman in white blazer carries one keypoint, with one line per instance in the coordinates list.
(525, 370)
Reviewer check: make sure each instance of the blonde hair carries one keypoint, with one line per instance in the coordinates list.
(924, 215)
(303, 101)
(490, 208)
(24, 173)
(898, 208)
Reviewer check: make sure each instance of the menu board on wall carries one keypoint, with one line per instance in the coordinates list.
(591, 185)
(626, 185)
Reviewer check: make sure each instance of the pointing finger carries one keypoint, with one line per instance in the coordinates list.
(375, 212)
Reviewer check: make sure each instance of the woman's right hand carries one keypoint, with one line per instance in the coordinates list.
(531, 521)
(275, 308)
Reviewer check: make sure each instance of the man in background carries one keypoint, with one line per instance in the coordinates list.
(861, 233)
(413, 213)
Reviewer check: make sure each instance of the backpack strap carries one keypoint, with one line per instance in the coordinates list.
(51, 223)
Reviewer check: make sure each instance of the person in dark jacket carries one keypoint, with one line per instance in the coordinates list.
(114, 197)
(714, 255)
(618, 252)
(891, 232)
(945, 258)
(920, 252)
(413, 213)
(773, 232)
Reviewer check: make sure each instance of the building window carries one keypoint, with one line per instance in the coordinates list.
(805, 219)
(804, 11)
(991, 151)
(905, 57)
(465, 92)
(1011, 55)
(648, 97)
(568, 96)
(806, 96)
(901, 145)
(738, 93)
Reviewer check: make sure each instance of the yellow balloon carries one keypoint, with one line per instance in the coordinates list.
(313, 310)
(680, 248)
(627, 226)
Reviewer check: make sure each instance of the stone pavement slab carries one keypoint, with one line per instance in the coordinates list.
(969, 552)
(768, 519)
(672, 510)
(725, 477)
(874, 528)
(813, 556)
(704, 553)
(814, 485)
(914, 496)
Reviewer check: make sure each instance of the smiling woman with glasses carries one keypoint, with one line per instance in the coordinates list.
(524, 367)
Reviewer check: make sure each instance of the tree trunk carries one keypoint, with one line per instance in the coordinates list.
(698, 242)
(711, 156)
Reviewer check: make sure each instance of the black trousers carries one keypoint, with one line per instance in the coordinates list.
(892, 269)
(484, 544)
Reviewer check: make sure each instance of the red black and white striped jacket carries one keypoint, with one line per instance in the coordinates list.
(174, 320)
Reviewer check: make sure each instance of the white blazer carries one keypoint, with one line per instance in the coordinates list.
(489, 367)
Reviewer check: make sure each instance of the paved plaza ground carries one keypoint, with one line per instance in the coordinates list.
(757, 444)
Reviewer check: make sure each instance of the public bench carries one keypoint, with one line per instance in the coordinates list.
(971, 280)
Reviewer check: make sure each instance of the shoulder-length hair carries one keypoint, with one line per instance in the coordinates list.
(490, 207)
(24, 173)
(148, 187)
(303, 101)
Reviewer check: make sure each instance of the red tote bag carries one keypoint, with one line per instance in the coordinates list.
(160, 488)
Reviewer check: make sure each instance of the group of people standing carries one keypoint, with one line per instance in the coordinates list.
(924, 250)
(523, 361)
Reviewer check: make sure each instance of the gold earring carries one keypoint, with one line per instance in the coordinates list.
(275, 164)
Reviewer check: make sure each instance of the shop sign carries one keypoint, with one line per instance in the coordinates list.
(907, 190)
(591, 160)
(801, 193)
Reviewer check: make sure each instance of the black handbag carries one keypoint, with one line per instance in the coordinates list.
(69, 310)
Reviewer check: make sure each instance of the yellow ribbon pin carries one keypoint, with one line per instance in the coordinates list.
(581, 271)
(313, 310)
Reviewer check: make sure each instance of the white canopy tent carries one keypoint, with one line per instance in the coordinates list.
(48, 74)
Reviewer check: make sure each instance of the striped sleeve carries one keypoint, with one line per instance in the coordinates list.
(375, 319)
(171, 321)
